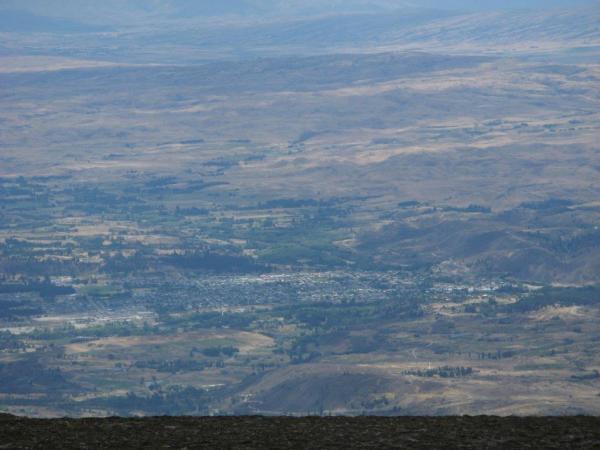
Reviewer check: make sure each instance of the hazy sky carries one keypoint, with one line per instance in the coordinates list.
(108, 12)
(81, 7)
(495, 4)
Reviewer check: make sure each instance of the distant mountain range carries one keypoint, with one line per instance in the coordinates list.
(163, 30)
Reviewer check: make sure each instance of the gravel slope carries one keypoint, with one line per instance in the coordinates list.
(305, 433)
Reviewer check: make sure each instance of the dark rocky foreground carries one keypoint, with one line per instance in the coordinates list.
(302, 433)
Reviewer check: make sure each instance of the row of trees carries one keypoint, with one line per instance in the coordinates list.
(442, 372)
